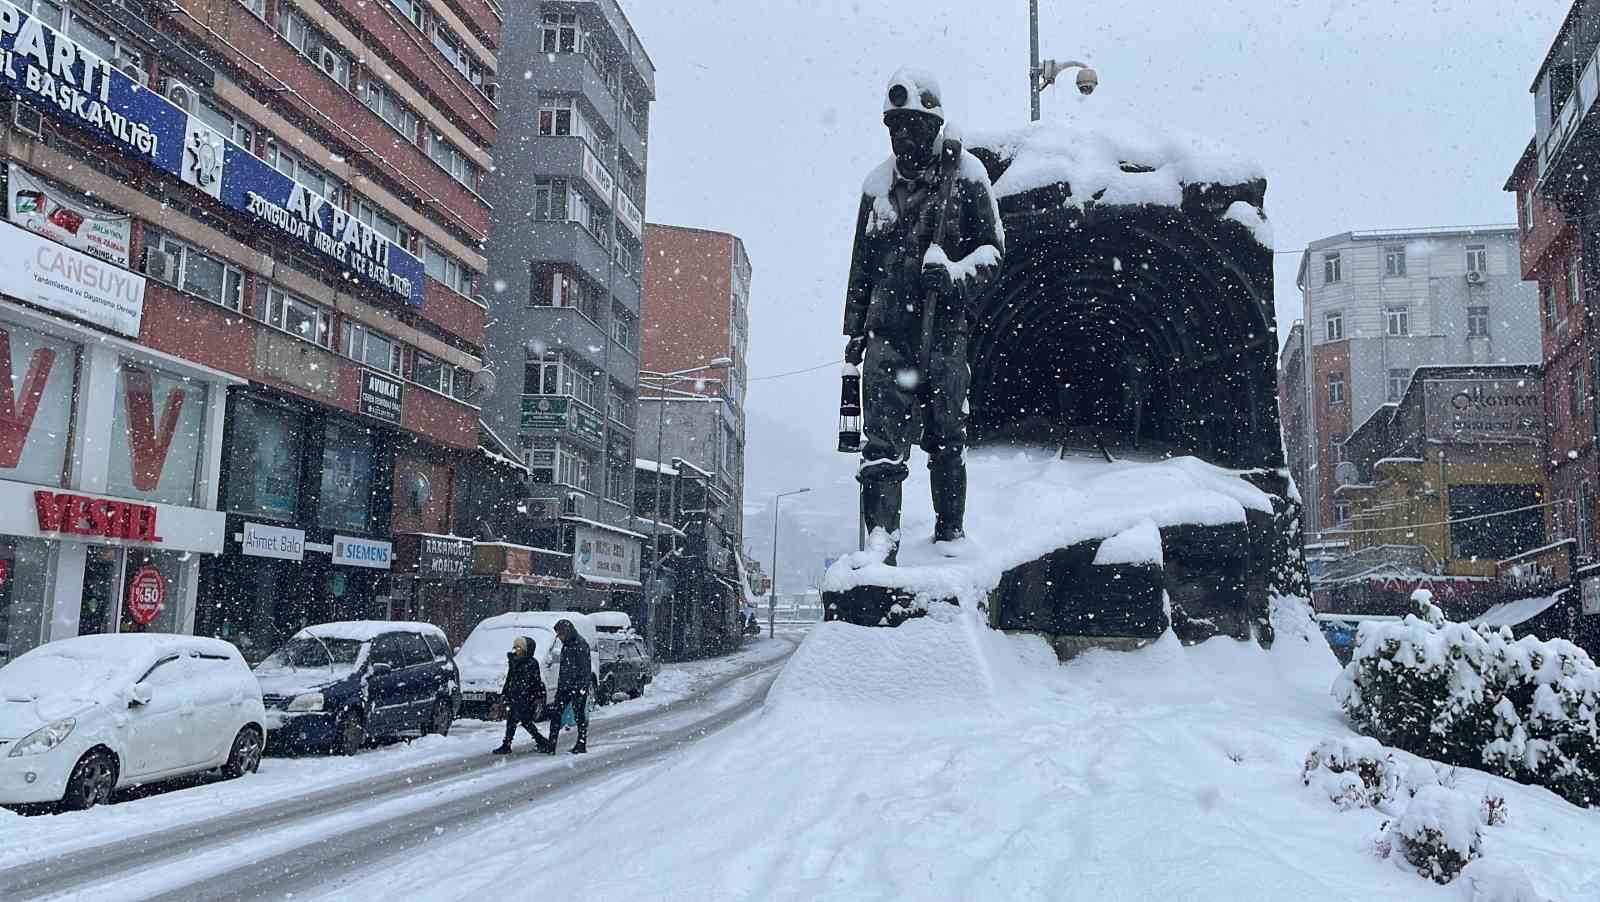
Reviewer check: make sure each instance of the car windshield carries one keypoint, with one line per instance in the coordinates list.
(493, 643)
(307, 652)
(45, 673)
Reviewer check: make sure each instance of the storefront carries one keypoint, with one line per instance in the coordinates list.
(430, 576)
(109, 455)
(307, 523)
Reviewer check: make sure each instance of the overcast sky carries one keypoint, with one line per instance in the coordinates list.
(1363, 114)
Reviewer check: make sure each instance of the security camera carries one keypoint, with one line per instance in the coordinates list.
(1088, 80)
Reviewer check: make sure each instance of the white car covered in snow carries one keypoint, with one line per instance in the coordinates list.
(82, 717)
(482, 658)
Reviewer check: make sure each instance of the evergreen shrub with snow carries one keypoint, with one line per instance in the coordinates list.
(1476, 697)
(1354, 772)
(1439, 833)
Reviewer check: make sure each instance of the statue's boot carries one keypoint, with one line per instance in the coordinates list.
(880, 506)
(948, 473)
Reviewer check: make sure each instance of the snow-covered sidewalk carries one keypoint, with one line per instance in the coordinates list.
(24, 839)
(941, 760)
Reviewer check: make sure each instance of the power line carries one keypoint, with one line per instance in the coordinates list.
(1515, 510)
(810, 369)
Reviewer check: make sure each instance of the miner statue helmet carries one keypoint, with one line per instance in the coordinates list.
(913, 111)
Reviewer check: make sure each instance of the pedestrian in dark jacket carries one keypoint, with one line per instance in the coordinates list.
(523, 695)
(572, 687)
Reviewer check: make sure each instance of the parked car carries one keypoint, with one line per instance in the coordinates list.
(612, 622)
(337, 685)
(483, 656)
(626, 667)
(83, 717)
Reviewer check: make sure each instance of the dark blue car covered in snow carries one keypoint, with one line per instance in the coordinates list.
(337, 685)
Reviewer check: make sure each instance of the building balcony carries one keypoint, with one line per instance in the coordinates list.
(1569, 144)
(555, 241)
(565, 329)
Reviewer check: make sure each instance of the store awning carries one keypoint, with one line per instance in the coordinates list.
(1516, 613)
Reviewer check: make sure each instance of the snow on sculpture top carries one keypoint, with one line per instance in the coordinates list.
(1110, 161)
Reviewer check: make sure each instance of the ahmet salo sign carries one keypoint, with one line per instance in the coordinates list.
(75, 85)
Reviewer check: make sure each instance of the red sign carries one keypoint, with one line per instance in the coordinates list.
(147, 594)
(81, 515)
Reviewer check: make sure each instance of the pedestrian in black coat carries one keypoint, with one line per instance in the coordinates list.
(572, 687)
(523, 695)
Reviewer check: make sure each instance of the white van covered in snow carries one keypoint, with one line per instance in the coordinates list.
(482, 658)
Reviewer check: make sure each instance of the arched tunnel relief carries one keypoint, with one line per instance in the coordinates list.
(1135, 297)
(1101, 308)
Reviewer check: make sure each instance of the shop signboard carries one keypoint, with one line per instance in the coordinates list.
(435, 556)
(44, 210)
(606, 555)
(373, 554)
(281, 542)
(1483, 410)
(585, 423)
(79, 88)
(596, 175)
(544, 412)
(629, 215)
(1540, 571)
(59, 278)
(27, 510)
(147, 595)
(380, 397)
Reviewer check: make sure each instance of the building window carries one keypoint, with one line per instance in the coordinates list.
(1586, 517)
(382, 101)
(314, 45)
(1336, 388)
(370, 215)
(1527, 210)
(445, 268)
(550, 200)
(1573, 297)
(622, 330)
(1336, 449)
(307, 175)
(1331, 270)
(562, 117)
(1477, 258)
(1397, 320)
(374, 349)
(294, 315)
(1477, 322)
(1575, 393)
(434, 374)
(194, 272)
(555, 288)
(1394, 261)
(1341, 512)
(1398, 380)
(1333, 325)
(560, 32)
(264, 460)
(163, 465)
(453, 161)
(345, 499)
(235, 128)
(1547, 292)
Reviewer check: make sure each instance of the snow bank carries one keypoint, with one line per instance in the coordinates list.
(1094, 155)
(1023, 503)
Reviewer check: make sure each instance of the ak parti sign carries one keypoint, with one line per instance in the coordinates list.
(85, 515)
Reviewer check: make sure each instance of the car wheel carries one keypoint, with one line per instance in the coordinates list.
(352, 733)
(246, 755)
(637, 690)
(440, 721)
(91, 782)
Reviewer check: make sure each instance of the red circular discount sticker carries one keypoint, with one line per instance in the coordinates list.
(147, 594)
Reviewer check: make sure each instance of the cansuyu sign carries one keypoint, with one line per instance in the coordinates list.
(76, 86)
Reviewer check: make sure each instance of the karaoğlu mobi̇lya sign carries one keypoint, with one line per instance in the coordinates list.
(78, 87)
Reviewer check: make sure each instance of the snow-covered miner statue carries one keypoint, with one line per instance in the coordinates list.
(928, 239)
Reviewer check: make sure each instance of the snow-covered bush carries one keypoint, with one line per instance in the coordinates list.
(1438, 833)
(1354, 772)
(1477, 697)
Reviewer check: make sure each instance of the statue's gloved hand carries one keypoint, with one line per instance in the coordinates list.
(855, 350)
(936, 278)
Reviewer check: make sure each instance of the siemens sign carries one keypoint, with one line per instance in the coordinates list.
(76, 86)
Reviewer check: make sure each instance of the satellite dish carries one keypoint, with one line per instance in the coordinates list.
(482, 384)
(1346, 473)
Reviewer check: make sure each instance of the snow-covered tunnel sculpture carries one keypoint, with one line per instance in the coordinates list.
(1134, 311)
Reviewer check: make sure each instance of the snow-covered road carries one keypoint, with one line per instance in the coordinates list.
(312, 816)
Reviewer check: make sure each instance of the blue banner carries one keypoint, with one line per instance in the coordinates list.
(76, 86)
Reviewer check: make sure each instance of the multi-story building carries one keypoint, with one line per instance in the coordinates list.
(565, 257)
(1552, 258)
(242, 256)
(1292, 402)
(1380, 304)
(696, 312)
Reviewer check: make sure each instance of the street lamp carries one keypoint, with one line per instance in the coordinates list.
(660, 382)
(772, 591)
(1043, 75)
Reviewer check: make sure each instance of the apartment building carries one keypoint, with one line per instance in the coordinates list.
(242, 305)
(565, 259)
(1380, 304)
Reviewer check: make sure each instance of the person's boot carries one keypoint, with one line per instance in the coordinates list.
(504, 749)
(880, 506)
(581, 748)
(948, 475)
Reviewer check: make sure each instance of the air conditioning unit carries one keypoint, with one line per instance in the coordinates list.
(182, 96)
(1475, 277)
(572, 504)
(26, 119)
(133, 67)
(159, 265)
(329, 62)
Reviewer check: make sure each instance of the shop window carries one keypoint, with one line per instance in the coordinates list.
(195, 271)
(169, 569)
(345, 501)
(37, 396)
(374, 349)
(264, 460)
(25, 565)
(157, 435)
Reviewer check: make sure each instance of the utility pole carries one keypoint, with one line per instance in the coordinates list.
(772, 592)
(1033, 60)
